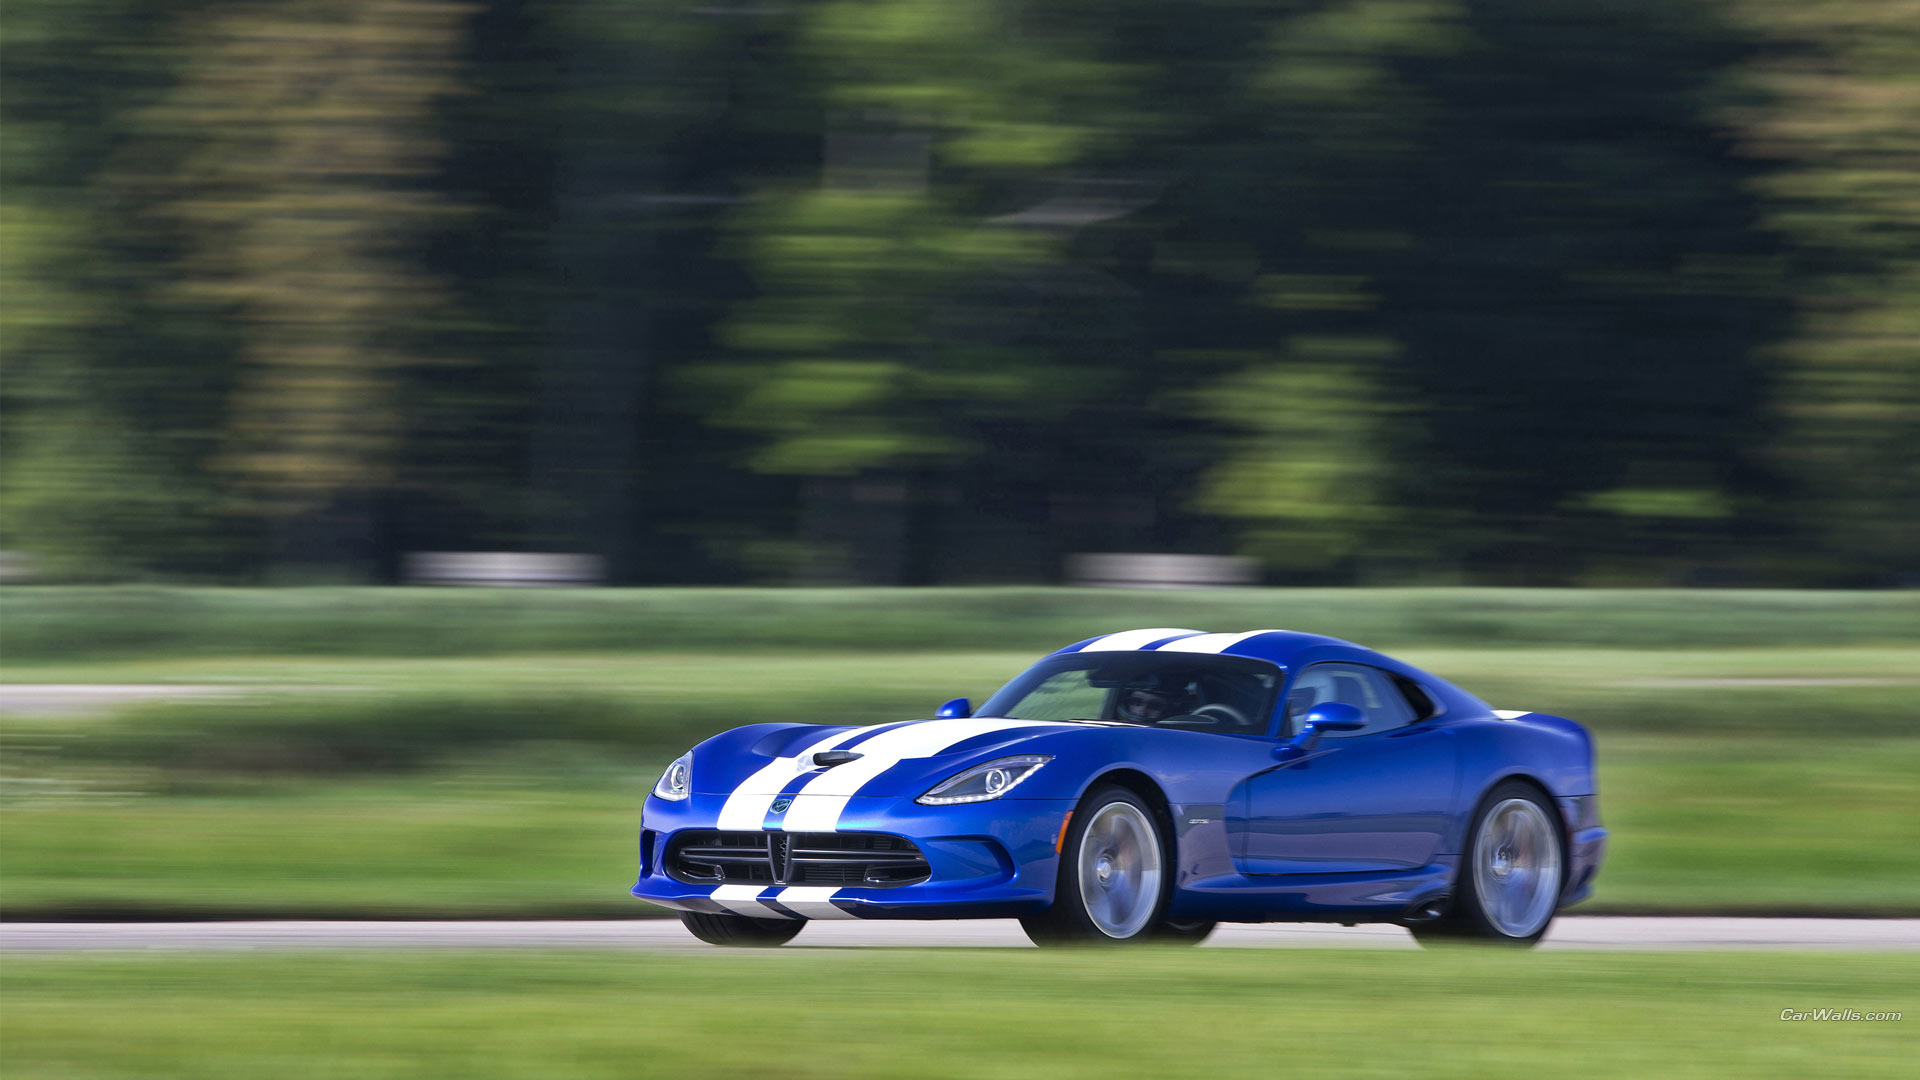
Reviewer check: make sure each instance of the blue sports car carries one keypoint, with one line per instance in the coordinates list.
(1143, 786)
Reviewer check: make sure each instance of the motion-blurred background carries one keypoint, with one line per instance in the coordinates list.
(910, 292)
(1417, 321)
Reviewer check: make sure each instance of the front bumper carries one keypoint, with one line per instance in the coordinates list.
(994, 859)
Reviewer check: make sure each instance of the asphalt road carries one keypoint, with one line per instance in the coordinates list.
(1590, 932)
(67, 699)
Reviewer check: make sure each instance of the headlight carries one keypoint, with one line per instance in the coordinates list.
(983, 782)
(674, 784)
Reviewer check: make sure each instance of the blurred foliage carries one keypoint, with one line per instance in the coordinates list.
(1840, 111)
(897, 291)
(82, 627)
(1310, 472)
(287, 157)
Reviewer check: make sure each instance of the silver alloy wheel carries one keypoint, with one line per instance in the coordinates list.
(1516, 867)
(1120, 870)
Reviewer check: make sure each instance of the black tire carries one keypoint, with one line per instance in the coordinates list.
(1068, 921)
(738, 931)
(1445, 931)
(1170, 932)
(1469, 919)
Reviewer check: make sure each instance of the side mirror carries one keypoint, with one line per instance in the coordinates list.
(957, 709)
(1329, 716)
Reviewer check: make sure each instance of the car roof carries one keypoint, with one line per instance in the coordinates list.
(1290, 649)
(1287, 648)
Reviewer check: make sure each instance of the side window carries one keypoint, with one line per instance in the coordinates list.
(1423, 704)
(1368, 689)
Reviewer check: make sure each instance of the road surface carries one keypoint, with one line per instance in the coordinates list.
(70, 699)
(1587, 932)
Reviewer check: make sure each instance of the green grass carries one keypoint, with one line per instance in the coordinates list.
(85, 624)
(524, 843)
(1768, 826)
(965, 1014)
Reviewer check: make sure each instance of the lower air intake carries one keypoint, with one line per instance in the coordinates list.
(863, 860)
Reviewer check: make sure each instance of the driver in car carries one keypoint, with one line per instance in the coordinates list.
(1152, 702)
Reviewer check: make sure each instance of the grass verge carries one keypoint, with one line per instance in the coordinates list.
(800, 1013)
(79, 624)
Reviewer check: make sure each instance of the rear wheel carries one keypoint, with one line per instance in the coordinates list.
(1515, 869)
(740, 931)
(1113, 880)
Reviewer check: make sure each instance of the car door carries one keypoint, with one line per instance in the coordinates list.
(1376, 799)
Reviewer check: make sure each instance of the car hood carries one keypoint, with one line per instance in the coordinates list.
(895, 759)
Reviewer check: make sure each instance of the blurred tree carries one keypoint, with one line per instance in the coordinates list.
(897, 290)
(1840, 109)
(291, 155)
(1311, 470)
(1582, 297)
(110, 408)
(1303, 170)
(602, 146)
(646, 157)
(880, 337)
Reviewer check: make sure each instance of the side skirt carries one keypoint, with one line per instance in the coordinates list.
(1373, 896)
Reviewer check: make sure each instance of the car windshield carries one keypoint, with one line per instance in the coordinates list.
(1229, 695)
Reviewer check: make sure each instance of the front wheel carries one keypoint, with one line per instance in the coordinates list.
(1113, 880)
(740, 931)
(1170, 932)
(1512, 879)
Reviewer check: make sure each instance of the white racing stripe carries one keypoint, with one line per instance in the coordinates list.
(1511, 714)
(746, 807)
(1210, 643)
(1129, 640)
(742, 900)
(811, 901)
(817, 807)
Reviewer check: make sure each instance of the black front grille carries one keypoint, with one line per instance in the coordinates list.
(711, 857)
